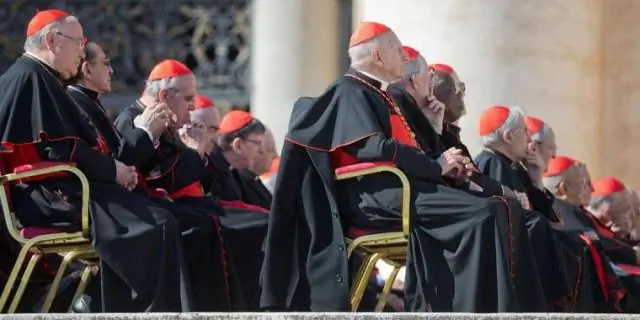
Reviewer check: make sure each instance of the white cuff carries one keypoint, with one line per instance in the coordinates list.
(155, 143)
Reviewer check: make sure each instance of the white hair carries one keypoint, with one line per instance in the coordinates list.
(516, 116)
(542, 134)
(360, 54)
(198, 115)
(154, 87)
(417, 65)
(36, 41)
(551, 183)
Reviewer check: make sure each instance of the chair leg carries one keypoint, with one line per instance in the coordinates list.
(70, 256)
(11, 281)
(84, 280)
(362, 280)
(24, 282)
(387, 288)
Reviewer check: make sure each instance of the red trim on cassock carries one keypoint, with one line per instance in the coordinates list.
(237, 204)
(192, 190)
(602, 276)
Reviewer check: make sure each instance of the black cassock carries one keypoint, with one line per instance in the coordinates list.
(460, 245)
(578, 219)
(176, 168)
(229, 184)
(138, 241)
(429, 139)
(204, 246)
(567, 261)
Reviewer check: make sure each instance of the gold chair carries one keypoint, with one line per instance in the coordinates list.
(390, 247)
(41, 241)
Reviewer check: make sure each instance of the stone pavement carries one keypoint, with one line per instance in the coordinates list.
(322, 316)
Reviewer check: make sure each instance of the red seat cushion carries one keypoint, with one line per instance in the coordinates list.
(354, 232)
(630, 269)
(361, 166)
(237, 204)
(32, 232)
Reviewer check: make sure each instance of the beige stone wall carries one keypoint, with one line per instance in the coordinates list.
(294, 53)
(543, 55)
(621, 90)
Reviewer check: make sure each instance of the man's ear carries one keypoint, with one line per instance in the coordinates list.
(48, 40)
(236, 146)
(506, 136)
(84, 68)
(414, 85)
(562, 188)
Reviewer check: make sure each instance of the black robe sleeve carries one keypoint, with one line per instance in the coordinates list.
(175, 166)
(136, 146)
(96, 166)
(411, 161)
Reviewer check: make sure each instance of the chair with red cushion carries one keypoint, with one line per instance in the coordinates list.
(39, 241)
(390, 247)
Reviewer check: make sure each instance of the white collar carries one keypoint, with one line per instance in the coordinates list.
(33, 56)
(383, 84)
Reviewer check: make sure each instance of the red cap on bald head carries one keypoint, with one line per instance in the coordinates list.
(443, 67)
(168, 69)
(203, 102)
(559, 165)
(367, 31)
(492, 119)
(534, 125)
(411, 53)
(607, 186)
(234, 120)
(43, 19)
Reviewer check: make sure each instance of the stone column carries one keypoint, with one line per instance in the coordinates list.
(621, 84)
(544, 55)
(295, 52)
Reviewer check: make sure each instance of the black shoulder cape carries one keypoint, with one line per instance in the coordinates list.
(321, 123)
(305, 265)
(34, 106)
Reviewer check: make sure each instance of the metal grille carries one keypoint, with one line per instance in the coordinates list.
(210, 36)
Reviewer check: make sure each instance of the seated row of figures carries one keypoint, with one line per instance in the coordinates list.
(181, 220)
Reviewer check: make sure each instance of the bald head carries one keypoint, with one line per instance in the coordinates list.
(210, 117)
(381, 56)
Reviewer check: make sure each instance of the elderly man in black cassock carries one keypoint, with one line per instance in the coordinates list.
(510, 158)
(240, 146)
(179, 165)
(202, 240)
(142, 264)
(460, 244)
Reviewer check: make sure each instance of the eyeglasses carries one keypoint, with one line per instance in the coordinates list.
(256, 142)
(80, 42)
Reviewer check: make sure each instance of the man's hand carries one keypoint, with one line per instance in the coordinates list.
(194, 136)
(156, 119)
(451, 162)
(126, 176)
(434, 111)
(523, 199)
(535, 167)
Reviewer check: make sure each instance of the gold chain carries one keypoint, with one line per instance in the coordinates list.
(394, 106)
